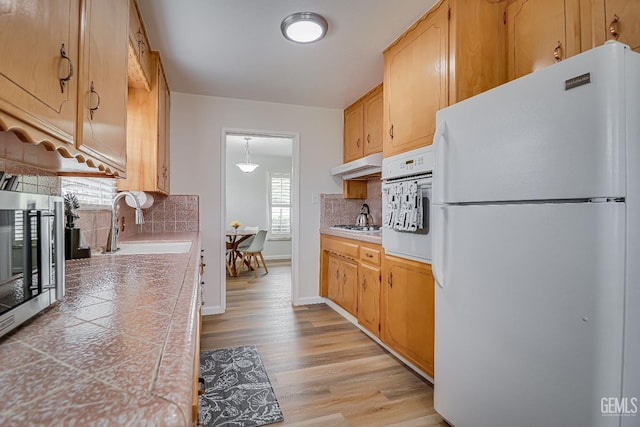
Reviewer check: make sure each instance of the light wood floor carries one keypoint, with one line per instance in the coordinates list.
(324, 370)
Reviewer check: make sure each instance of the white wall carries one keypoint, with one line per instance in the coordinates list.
(248, 196)
(197, 123)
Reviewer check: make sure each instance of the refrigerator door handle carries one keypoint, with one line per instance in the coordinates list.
(439, 142)
(439, 240)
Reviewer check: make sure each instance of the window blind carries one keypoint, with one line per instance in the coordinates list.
(280, 205)
(92, 192)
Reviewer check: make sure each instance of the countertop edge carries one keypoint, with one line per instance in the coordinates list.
(375, 238)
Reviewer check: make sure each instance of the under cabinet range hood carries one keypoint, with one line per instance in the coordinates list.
(360, 168)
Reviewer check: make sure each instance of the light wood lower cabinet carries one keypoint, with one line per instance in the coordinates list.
(343, 283)
(395, 296)
(196, 371)
(369, 277)
(408, 310)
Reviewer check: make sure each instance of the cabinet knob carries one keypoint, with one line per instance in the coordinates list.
(557, 52)
(391, 131)
(613, 27)
(64, 80)
(368, 138)
(364, 284)
(358, 142)
(390, 279)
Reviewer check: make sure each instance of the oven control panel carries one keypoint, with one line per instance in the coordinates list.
(415, 162)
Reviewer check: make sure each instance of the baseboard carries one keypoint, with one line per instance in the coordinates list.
(212, 310)
(354, 321)
(309, 301)
(282, 258)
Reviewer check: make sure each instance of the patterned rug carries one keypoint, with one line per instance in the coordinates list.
(238, 390)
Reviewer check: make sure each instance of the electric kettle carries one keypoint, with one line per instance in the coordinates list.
(364, 217)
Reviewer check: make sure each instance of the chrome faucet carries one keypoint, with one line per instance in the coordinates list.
(112, 239)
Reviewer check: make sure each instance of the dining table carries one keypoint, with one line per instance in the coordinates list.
(234, 238)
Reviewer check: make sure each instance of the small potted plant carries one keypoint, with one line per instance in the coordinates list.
(71, 204)
(235, 224)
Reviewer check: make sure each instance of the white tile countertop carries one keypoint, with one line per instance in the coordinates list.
(118, 350)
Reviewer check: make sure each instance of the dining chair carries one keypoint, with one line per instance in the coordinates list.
(254, 250)
(247, 242)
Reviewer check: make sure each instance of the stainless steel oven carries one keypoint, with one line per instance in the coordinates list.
(31, 256)
(406, 204)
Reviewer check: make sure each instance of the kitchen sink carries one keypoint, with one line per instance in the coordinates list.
(140, 248)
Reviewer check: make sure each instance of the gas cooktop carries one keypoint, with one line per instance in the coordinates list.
(359, 228)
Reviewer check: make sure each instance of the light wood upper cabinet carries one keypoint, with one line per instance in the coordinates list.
(372, 131)
(363, 126)
(353, 131)
(102, 80)
(415, 82)
(408, 310)
(38, 70)
(456, 50)
(541, 33)
(148, 134)
(141, 68)
(164, 109)
(617, 17)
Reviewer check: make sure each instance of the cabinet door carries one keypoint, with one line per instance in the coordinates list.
(415, 83)
(369, 298)
(407, 321)
(334, 288)
(353, 122)
(102, 102)
(540, 33)
(32, 35)
(627, 24)
(372, 106)
(163, 133)
(349, 286)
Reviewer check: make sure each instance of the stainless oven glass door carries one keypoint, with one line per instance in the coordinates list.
(414, 245)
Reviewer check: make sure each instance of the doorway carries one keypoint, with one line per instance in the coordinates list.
(261, 198)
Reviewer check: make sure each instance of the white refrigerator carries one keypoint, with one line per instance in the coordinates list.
(536, 248)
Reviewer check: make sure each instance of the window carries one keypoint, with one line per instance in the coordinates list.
(280, 206)
(91, 192)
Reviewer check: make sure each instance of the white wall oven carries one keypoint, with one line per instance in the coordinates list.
(31, 256)
(406, 203)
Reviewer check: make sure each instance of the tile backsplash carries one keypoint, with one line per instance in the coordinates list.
(32, 180)
(334, 209)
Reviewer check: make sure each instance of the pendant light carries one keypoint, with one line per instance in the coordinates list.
(247, 166)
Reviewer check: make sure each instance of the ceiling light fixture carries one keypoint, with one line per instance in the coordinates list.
(304, 27)
(247, 166)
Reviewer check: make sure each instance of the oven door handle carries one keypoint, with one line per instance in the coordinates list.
(439, 144)
(439, 243)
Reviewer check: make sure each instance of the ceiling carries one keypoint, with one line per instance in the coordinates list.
(234, 48)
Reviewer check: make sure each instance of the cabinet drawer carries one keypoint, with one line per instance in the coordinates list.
(370, 255)
(341, 247)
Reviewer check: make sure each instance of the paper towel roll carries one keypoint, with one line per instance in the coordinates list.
(145, 199)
